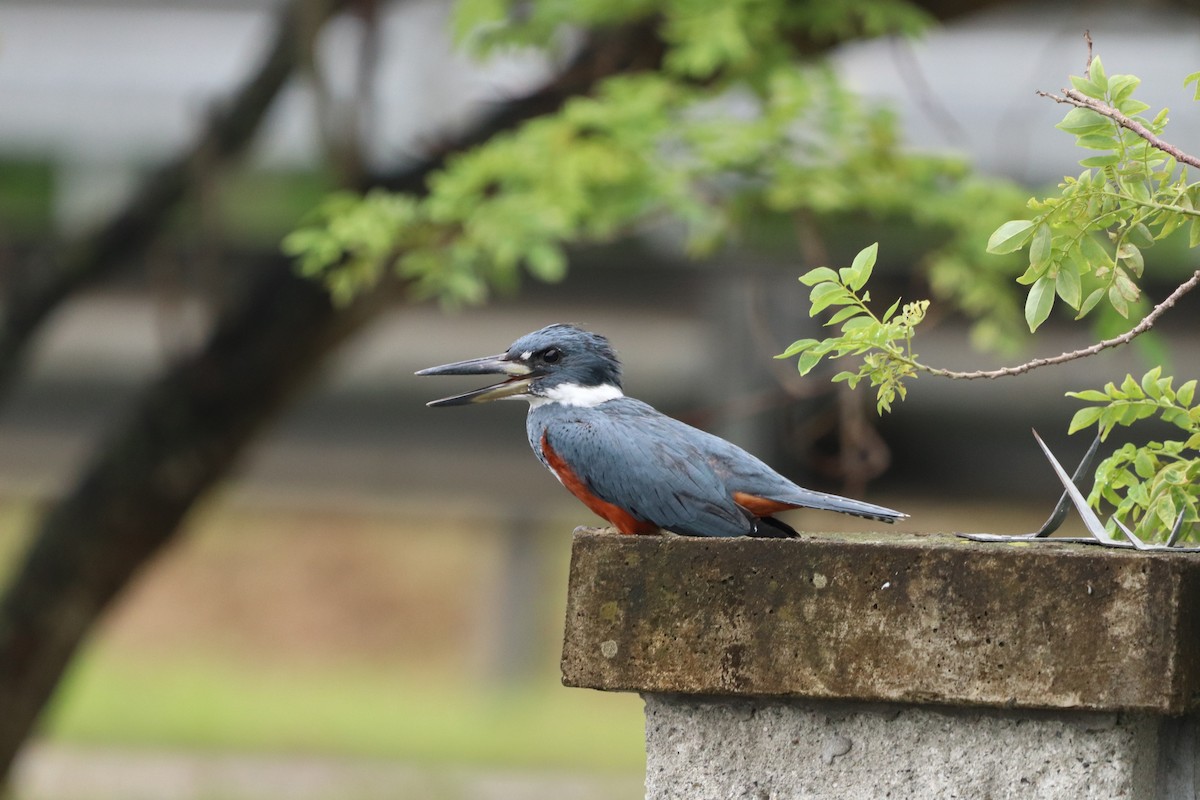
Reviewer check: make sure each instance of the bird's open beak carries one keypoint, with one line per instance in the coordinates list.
(517, 383)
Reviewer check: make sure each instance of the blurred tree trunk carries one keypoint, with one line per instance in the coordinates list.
(179, 439)
(187, 429)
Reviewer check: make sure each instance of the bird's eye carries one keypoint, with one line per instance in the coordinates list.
(551, 355)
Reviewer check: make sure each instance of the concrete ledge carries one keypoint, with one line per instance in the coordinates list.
(886, 618)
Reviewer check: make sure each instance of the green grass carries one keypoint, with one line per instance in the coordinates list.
(191, 675)
(26, 196)
(193, 702)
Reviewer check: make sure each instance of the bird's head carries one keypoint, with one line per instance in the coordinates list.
(559, 363)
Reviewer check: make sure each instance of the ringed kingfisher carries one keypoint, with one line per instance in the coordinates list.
(637, 468)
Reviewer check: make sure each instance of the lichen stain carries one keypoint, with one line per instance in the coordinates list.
(610, 611)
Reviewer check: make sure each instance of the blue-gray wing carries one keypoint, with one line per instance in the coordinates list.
(744, 473)
(647, 464)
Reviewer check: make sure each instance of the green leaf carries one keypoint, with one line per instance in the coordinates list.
(844, 314)
(1172, 223)
(1121, 86)
(818, 275)
(855, 323)
(1067, 284)
(1040, 247)
(1094, 253)
(1032, 273)
(1125, 285)
(1149, 382)
(1165, 510)
(1010, 236)
(1177, 417)
(1090, 302)
(1186, 392)
(1140, 235)
(1085, 418)
(808, 360)
(1097, 141)
(1131, 388)
(864, 263)
(1087, 87)
(851, 377)
(1193, 78)
(1132, 107)
(1119, 303)
(1132, 412)
(824, 295)
(1133, 181)
(1080, 121)
(1131, 255)
(1100, 161)
(1144, 464)
(1175, 474)
(1096, 74)
(1039, 302)
(796, 347)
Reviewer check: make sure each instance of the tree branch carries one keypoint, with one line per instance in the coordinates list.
(1076, 98)
(1146, 324)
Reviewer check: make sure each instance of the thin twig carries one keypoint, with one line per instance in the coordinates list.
(1146, 324)
(1076, 98)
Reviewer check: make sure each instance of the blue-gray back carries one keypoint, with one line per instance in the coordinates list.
(657, 468)
(668, 473)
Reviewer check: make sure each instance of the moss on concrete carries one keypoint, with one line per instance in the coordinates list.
(886, 617)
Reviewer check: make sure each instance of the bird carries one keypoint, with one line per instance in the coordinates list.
(639, 469)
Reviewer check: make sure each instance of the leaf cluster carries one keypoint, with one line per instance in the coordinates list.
(884, 341)
(725, 40)
(584, 174)
(1086, 244)
(1153, 484)
(349, 240)
(737, 121)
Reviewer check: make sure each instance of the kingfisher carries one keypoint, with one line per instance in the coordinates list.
(639, 469)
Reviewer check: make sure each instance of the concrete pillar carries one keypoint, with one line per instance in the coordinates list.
(894, 665)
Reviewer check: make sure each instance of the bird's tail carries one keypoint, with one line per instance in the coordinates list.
(807, 498)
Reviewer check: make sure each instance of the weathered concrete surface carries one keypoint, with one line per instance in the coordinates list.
(886, 617)
(748, 749)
